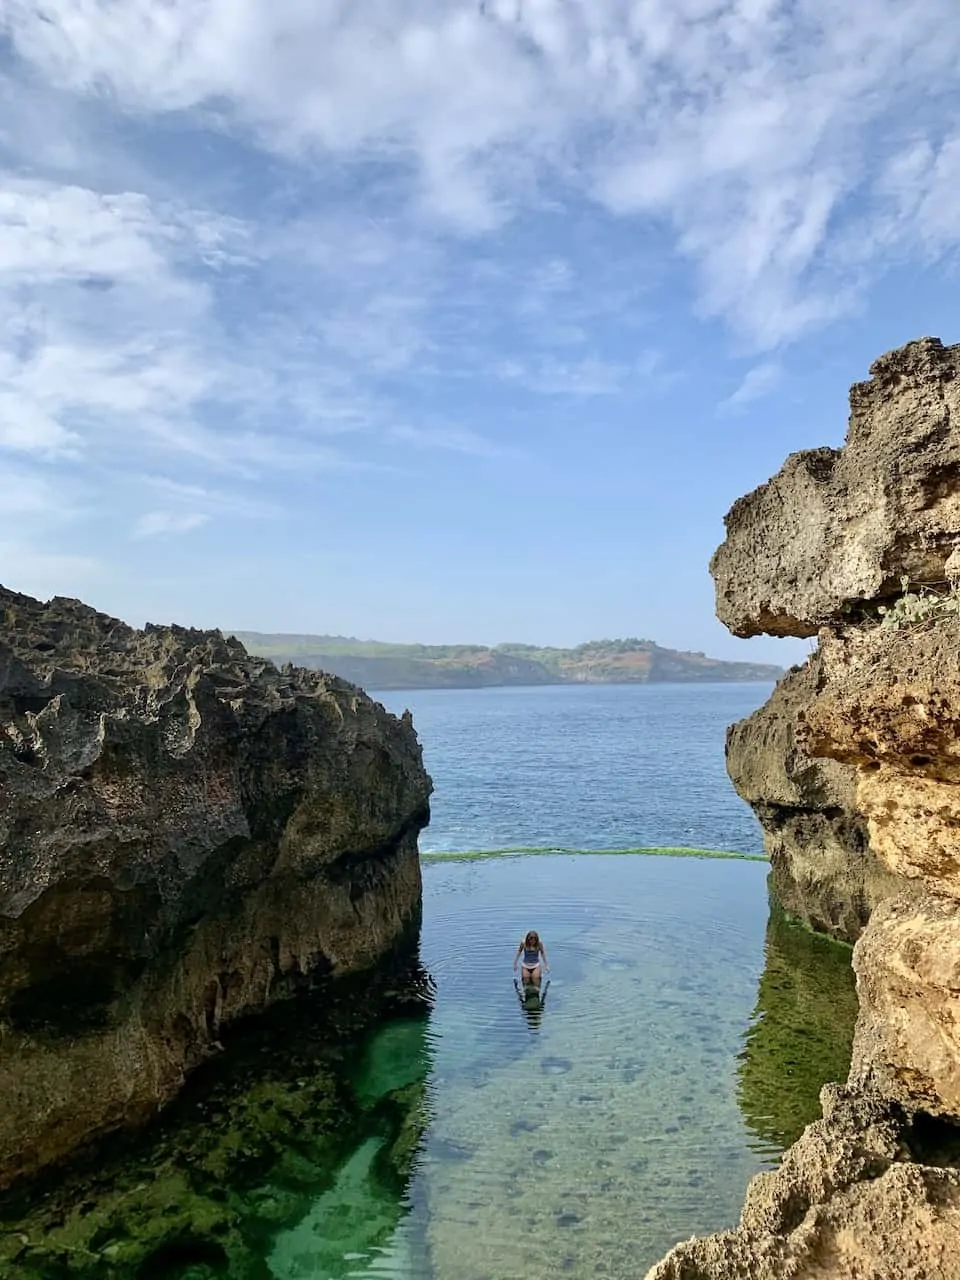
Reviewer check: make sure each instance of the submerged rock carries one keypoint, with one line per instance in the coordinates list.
(187, 835)
(801, 1032)
(274, 1151)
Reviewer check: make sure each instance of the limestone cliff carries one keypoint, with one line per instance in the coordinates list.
(822, 868)
(870, 729)
(186, 836)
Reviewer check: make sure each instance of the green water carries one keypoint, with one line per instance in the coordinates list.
(436, 1126)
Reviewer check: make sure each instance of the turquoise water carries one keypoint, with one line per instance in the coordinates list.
(436, 1124)
(583, 766)
(448, 1130)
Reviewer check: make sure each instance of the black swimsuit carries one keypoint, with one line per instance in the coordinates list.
(530, 958)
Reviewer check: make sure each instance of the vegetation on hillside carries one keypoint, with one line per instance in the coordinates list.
(377, 665)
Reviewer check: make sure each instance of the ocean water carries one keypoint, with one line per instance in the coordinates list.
(442, 1124)
(583, 766)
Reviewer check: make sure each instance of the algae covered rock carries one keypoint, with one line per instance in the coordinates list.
(274, 1162)
(187, 835)
(801, 1032)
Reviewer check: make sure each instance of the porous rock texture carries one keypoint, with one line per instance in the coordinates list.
(186, 836)
(853, 1199)
(837, 527)
(822, 868)
(871, 727)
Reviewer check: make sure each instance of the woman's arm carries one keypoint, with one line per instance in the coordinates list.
(546, 962)
(517, 957)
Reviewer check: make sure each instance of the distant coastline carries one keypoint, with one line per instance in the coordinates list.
(377, 665)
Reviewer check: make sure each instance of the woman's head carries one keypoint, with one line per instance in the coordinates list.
(532, 940)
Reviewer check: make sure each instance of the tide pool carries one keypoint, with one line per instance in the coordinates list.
(434, 1125)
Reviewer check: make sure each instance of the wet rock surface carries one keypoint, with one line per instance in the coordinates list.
(854, 1197)
(187, 835)
(297, 1143)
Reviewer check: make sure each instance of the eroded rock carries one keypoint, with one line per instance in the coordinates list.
(848, 1200)
(891, 707)
(186, 836)
(836, 527)
(823, 869)
(865, 738)
(907, 1041)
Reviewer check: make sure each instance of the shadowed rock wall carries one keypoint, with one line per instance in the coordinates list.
(186, 836)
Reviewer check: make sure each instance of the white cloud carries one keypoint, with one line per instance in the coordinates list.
(589, 376)
(451, 439)
(748, 126)
(757, 383)
(29, 494)
(341, 278)
(153, 523)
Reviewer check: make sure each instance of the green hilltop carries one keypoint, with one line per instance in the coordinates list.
(376, 665)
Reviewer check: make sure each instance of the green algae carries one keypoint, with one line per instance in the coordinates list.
(663, 851)
(373, 1140)
(801, 1032)
(242, 1173)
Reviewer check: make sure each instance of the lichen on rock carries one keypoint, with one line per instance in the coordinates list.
(187, 835)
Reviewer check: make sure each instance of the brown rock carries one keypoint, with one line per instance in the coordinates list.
(907, 1042)
(186, 835)
(891, 706)
(872, 1191)
(822, 867)
(836, 527)
(848, 1203)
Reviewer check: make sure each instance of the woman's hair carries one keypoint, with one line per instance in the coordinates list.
(532, 940)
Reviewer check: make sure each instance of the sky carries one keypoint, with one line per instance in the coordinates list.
(448, 320)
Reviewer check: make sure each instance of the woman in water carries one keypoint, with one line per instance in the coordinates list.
(531, 948)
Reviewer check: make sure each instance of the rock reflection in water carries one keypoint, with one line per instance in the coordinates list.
(290, 1160)
(801, 1031)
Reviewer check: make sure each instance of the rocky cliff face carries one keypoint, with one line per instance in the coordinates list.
(186, 836)
(822, 868)
(869, 731)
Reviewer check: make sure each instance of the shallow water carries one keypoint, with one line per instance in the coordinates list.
(433, 1124)
(470, 1135)
(583, 766)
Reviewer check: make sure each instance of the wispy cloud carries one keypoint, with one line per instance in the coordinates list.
(47, 572)
(743, 124)
(756, 383)
(154, 523)
(261, 248)
(451, 439)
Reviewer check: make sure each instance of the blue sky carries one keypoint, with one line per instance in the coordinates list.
(448, 321)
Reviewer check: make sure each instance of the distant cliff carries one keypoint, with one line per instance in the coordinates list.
(375, 665)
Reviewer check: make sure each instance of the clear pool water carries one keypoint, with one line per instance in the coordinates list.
(448, 1129)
